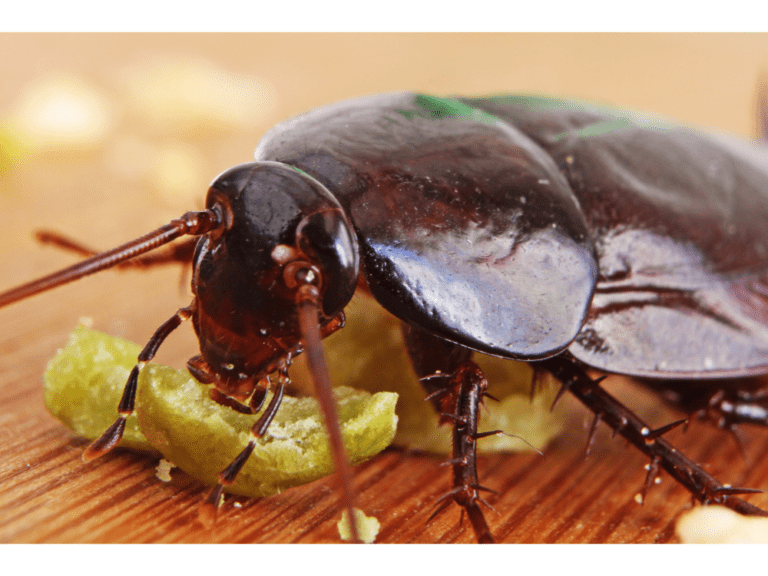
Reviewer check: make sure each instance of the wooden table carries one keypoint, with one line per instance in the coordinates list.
(47, 493)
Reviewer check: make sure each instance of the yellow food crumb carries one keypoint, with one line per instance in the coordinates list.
(163, 470)
(175, 416)
(367, 526)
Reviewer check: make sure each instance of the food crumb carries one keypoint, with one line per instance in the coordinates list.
(163, 470)
(367, 526)
(720, 525)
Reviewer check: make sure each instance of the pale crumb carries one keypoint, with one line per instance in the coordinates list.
(163, 470)
(85, 322)
(367, 527)
(720, 525)
(639, 498)
(237, 505)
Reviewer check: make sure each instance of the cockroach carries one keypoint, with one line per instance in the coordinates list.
(569, 235)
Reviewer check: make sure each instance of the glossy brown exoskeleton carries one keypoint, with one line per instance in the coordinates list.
(564, 234)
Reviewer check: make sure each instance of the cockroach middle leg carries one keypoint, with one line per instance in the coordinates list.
(662, 454)
(114, 433)
(461, 405)
(456, 386)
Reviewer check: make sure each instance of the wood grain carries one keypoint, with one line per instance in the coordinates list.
(47, 493)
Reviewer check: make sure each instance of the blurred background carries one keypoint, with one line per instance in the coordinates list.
(104, 137)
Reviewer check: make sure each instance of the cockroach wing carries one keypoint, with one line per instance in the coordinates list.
(466, 227)
(680, 222)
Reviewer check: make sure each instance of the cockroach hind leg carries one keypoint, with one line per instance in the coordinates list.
(702, 485)
(592, 431)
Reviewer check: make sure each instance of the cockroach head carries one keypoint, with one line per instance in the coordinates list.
(281, 229)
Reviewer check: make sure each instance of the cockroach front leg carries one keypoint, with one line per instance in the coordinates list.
(209, 508)
(114, 433)
(456, 386)
(607, 409)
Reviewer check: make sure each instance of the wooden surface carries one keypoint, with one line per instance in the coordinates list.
(47, 494)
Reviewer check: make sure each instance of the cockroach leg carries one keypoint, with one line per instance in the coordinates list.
(468, 385)
(259, 395)
(653, 470)
(333, 325)
(726, 404)
(208, 510)
(701, 484)
(592, 431)
(200, 370)
(112, 436)
(460, 406)
(434, 360)
(456, 386)
(728, 408)
(224, 400)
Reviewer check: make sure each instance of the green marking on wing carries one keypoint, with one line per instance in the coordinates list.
(536, 101)
(619, 119)
(595, 129)
(436, 108)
